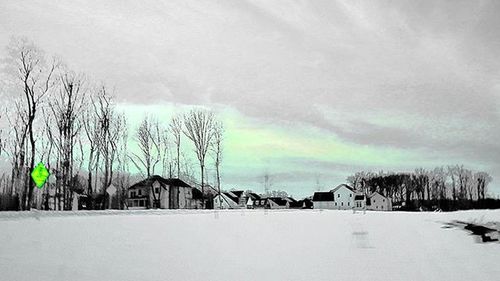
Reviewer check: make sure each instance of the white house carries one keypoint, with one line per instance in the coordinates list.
(323, 200)
(344, 197)
(378, 202)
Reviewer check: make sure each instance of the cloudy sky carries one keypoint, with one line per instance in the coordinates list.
(310, 91)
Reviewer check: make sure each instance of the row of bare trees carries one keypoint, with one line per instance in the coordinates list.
(59, 117)
(154, 140)
(455, 183)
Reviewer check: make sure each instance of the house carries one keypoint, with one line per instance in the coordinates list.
(294, 204)
(378, 202)
(240, 197)
(158, 192)
(307, 203)
(323, 200)
(277, 203)
(230, 200)
(254, 201)
(344, 197)
(359, 202)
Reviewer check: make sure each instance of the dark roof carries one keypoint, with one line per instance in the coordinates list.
(297, 204)
(291, 199)
(197, 195)
(278, 200)
(308, 204)
(359, 197)
(149, 181)
(254, 196)
(323, 196)
(230, 196)
(237, 193)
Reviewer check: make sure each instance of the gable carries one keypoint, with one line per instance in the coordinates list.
(343, 188)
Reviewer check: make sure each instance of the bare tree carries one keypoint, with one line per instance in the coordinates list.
(218, 137)
(123, 175)
(149, 145)
(36, 77)
(91, 128)
(152, 142)
(482, 181)
(67, 108)
(198, 127)
(111, 127)
(176, 130)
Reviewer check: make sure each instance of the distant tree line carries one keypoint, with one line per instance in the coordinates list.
(447, 188)
(58, 116)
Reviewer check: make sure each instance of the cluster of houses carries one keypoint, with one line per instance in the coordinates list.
(344, 197)
(158, 192)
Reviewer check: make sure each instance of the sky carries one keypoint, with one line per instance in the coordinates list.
(309, 91)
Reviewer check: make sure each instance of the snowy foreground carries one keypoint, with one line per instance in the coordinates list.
(243, 245)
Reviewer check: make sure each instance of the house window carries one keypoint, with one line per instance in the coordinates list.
(132, 194)
(350, 195)
(141, 203)
(335, 203)
(383, 200)
(341, 203)
(348, 203)
(338, 195)
(157, 190)
(140, 192)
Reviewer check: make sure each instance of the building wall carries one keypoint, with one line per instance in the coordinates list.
(379, 203)
(328, 205)
(164, 198)
(344, 198)
(359, 204)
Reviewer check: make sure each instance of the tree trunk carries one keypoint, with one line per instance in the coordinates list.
(202, 186)
(179, 159)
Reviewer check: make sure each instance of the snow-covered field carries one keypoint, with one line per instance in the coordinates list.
(243, 245)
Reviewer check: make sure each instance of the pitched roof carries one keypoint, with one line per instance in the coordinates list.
(197, 195)
(359, 197)
(254, 196)
(297, 204)
(238, 193)
(323, 196)
(230, 196)
(278, 200)
(343, 185)
(149, 181)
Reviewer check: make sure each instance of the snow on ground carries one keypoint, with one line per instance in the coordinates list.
(243, 245)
